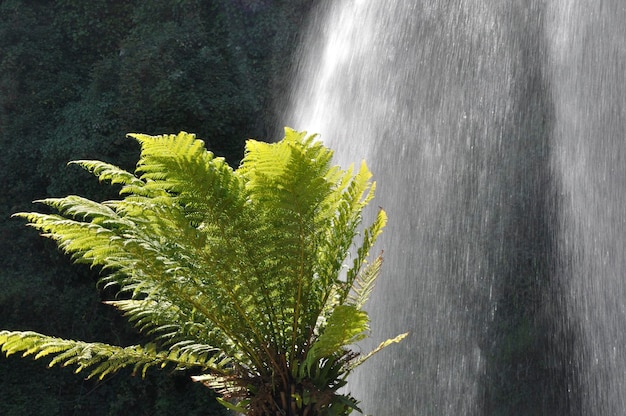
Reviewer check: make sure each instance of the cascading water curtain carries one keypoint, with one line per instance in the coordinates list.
(497, 135)
(588, 63)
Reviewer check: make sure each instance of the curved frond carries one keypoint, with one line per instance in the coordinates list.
(370, 234)
(361, 359)
(103, 359)
(346, 325)
(107, 172)
(181, 165)
(364, 284)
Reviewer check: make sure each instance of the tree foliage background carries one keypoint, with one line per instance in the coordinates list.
(75, 77)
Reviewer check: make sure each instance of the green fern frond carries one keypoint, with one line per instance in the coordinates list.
(370, 235)
(225, 386)
(290, 175)
(346, 203)
(86, 242)
(364, 284)
(163, 319)
(286, 185)
(180, 164)
(81, 208)
(346, 325)
(103, 359)
(107, 172)
(240, 407)
(361, 359)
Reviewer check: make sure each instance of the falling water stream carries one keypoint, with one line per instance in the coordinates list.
(496, 131)
(588, 56)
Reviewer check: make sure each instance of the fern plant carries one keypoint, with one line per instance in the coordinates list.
(237, 273)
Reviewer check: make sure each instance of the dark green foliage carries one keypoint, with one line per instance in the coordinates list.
(66, 72)
(61, 393)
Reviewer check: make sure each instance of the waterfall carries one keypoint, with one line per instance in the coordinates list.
(507, 222)
(588, 64)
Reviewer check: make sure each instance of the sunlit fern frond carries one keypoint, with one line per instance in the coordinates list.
(364, 283)
(287, 185)
(87, 242)
(357, 361)
(370, 235)
(167, 322)
(112, 174)
(103, 359)
(180, 164)
(346, 325)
